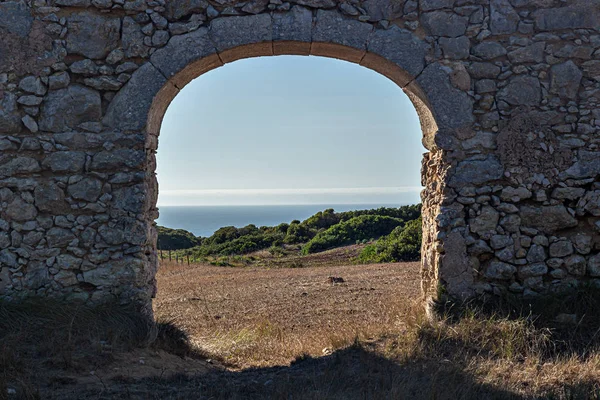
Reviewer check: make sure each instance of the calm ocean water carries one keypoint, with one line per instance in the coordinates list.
(205, 220)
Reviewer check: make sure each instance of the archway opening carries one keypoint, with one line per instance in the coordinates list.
(294, 183)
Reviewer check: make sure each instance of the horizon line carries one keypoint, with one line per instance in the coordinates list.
(358, 190)
(287, 205)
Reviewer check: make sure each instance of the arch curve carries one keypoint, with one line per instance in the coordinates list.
(396, 53)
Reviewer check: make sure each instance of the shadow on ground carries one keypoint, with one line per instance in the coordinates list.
(72, 354)
(352, 373)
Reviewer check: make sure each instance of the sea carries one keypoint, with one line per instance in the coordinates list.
(205, 220)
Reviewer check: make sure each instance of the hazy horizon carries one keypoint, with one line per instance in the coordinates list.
(265, 197)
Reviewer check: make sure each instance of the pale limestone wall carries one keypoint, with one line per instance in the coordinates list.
(507, 92)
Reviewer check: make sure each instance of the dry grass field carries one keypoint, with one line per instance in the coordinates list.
(289, 333)
(256, 317)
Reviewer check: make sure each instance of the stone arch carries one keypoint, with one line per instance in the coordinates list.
(507, 93)
(395, 53)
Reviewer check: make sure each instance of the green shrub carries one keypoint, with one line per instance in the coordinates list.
(322, 219)
(348, 232)
(224, 234)
(403, 244)
(175, 239)
(405, 213)
(298, 233)
(282, 228)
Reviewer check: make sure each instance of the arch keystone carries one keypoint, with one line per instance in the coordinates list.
(339, 37)
(242, 37)
(292, 31)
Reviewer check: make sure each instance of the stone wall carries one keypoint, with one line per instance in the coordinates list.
(507, 92)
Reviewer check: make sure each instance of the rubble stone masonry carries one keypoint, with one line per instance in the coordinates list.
(507, 91)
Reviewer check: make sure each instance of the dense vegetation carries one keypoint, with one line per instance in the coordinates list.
(360, 228)
(403, 244)
(176, 239)
(324, 230)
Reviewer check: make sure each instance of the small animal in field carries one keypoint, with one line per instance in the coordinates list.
(335, 279)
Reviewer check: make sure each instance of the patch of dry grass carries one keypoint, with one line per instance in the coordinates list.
(257, 317)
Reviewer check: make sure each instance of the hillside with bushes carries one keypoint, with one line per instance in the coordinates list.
(394, 234)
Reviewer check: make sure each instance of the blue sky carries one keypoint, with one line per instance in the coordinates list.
(289, 130)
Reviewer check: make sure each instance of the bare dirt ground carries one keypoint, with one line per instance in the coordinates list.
(256, 317)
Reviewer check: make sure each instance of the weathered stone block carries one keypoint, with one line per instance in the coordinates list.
(504, 19)
(486, 222)
(452, 108)
(561, 248)
(500, 270)
(177, 9)
(295, 25)
(484, 70)
(64, 161)
(132, 39)
(590, 204)
(88, 189)
(548, 219)
(488, 50)
(537, 269)
(49, 197)
(576, 265)
(18, 166)
(92, 36)
(455, 48)
(124, 114)
(528, 54)
(579, 16)
(565, 80)
(477, 172)
(402, 48)
(591, 69)
(587, 166)
(230, 32)
(442, 23)
(515, 194)
(65, 109)
(59, 237)
(522, 90)
(431, 5)
(593, 265)
(181, 52)
(19, 210)
(567, 193)
(118, 159)
(331, 27)
(10, 119)
(536, 253)
(16, 17)
(388, 10)
(130, 198)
